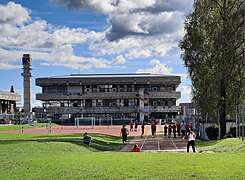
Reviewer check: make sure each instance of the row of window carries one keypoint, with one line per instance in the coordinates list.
(111, 103)
(79, 89)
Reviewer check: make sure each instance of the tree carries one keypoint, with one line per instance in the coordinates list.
(213, 52)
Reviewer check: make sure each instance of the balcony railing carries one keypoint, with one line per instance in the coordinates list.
(164, 108)
(82, 110)
(158, 94)
(97, 110)
(107, 95)
(98, 95)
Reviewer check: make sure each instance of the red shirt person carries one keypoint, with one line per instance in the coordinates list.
(131, 124)
(153, 129)
(191, 126)
(136, 148)
(124, 133)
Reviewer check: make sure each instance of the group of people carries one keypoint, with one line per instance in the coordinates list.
(185, 130)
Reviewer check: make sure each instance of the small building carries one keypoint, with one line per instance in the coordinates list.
(7, 105)
(118, 96)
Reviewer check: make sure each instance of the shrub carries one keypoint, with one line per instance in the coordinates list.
(233, 130)
(229, 136)
(212, 132)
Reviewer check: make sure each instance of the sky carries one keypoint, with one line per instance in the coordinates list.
(92, 37)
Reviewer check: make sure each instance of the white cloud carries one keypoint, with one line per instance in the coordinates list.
(119, 60)
(185, 90)
(144, 24)
(45, 42)
(124, 6)
(13, 14)
(138, 53)
(139, 29)
(158, 68)
(6, 66)
(107, 6)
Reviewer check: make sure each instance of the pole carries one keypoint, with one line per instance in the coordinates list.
(49, 126)
(75, 122)
(239, 121)
(92, 119)
(242, 114)
(78, 120)
(21, 126)
(236, 122)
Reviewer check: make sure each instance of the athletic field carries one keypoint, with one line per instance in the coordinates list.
(38, 153)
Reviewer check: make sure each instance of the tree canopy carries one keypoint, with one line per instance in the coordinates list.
(213, 52)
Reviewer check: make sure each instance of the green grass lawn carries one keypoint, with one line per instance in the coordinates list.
(25, 126)
(224, 145)
(49, 156)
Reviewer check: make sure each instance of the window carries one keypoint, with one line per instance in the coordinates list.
(154, 89)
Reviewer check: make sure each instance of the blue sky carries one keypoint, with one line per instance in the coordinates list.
(92, 36)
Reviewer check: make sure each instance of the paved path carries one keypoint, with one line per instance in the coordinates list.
(158, 143)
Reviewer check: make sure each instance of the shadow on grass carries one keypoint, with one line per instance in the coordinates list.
(100, 142)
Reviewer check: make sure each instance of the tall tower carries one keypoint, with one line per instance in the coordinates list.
(26, 62)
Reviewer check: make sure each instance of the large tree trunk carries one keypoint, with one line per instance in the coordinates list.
(222, 111)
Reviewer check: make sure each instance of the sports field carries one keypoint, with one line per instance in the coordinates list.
(64, 156)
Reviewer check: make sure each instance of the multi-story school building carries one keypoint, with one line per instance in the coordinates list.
(118, 96)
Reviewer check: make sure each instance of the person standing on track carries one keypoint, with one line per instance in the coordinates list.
(142, 129)
(124, 133)
(183, 129)
(191, 140)
(174, 130)
(153, 129)
(165, 129)
(131, 124)
(191, 126)
(169, 130)
(135, 125)
(178, 128)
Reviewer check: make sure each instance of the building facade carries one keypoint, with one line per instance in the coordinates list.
(119, 96)
(8, 105)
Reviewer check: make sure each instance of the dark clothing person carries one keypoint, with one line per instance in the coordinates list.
(165, 130)
(135, 126)
(169, 130)
(142, 129)
(87, 139)
(178, 128)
